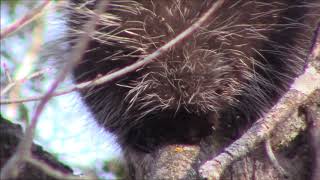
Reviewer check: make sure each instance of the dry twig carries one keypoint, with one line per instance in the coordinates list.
(273, 158)
(8, 87)
(55, 173)
(26, 19)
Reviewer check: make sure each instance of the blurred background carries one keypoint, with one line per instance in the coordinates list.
(65, 129)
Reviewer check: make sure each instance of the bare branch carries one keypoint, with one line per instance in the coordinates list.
(53, 172)
(26, 19)
(274, 160)
(302, 87)
(7, 72)
(8, 87)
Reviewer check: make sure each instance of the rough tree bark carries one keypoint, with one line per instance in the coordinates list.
(10, 136)
(289, 141)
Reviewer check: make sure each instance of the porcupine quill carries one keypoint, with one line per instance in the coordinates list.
(226, 74)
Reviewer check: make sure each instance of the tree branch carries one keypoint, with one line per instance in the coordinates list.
(302, 87)
(26, 19)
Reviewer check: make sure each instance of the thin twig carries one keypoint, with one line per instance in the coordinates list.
(273, 159)
(26, 19)
(53, 172)
(126, 70)
(260, 130)
(14, 83)
(70, 89)
(7, 73)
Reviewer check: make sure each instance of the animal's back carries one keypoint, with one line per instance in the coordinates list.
(232, 69)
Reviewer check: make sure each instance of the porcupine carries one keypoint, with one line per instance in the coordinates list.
(230, 71)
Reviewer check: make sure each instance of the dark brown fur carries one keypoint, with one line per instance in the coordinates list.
(230, 71)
